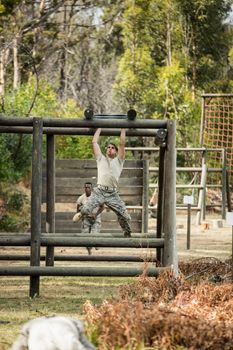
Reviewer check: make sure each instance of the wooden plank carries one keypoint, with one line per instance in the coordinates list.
(129, 200)
(83, 173)
(106, 215)
(131, 196)
(126, 191)
(91, 163)
(79, 183)
(104, 229)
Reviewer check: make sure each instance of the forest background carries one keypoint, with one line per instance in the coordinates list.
(59, 57)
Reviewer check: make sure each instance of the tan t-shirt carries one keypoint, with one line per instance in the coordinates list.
(109, 170)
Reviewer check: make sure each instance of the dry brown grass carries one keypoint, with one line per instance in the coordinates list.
(168, 312)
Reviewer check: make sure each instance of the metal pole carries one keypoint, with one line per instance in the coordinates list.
(82, 123)
(37, 271)
(188, 226)
(160, 199)
(228, 192)
(232, 254)
(36, 203)
(50, 196)
(84, 241)
(169, 215)
(224, 181)
(76, 131)
(202, 120)
(145, 196)
(202, 194)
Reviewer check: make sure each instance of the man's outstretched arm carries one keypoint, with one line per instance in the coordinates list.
(121, 148)
(95, 145)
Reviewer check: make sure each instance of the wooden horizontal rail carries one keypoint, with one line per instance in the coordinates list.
(189, 186)
(83, 123)
(189, 169)
(217, 95)
(76, 131)
(191, 149)
(79, 271)
(180, 207)
(58, 241)
(13, 257)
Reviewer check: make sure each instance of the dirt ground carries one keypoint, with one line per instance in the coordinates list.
(213, 238)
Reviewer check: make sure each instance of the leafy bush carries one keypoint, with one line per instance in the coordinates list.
(16, 201)
(11, 223)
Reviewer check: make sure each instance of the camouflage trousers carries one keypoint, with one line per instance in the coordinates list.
(90, 226)
(113, 201)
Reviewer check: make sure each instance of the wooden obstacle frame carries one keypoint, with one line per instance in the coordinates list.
(164, 237)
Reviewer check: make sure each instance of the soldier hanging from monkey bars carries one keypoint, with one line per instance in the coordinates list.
(109, 169)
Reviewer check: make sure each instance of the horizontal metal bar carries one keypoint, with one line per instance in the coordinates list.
(110, 117)
(189, 186)
(217, 95)
(79, 271)
(82, 123)
(185, 208)
(179, 186)
(201, 149)
(13, 257)
(77, 131)
(189, 169)
(49, 240)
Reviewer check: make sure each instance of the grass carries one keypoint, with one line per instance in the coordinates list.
(58, 295)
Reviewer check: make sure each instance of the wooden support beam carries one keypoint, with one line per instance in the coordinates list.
(169, 212)
(82, 123)
(36, 194)
(76, 131)
(85, 241)
(50, 195)
(123, 258)
(36, 271)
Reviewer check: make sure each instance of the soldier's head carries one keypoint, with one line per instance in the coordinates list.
(88, 188)
(111, 150)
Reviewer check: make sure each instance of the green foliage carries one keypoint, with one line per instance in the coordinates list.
(31, 97)
(175, 101)
(17, 149)
(5, 159)
(8, 223)
(135, 77)
(207, 39)
(79, 147)
(16, 201)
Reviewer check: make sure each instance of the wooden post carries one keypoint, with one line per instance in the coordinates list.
(36, 203)
(224, 183)
(201, 199)
(50, 196)
(145, 198)
(228, 192)
(188, 226)
(160, 199)
(202, 120)
(169, 215)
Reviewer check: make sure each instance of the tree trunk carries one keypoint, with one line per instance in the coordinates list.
(16, 78)
(168, 43)
(194, 62)
(3, 59)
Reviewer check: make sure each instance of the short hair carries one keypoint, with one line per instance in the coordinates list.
(88, 183)
(113, 144)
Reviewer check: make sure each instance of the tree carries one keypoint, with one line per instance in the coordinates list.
(204, 38)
